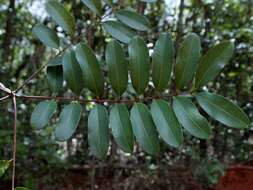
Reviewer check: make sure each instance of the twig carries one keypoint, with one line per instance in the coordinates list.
(60, 98)
(14, 140)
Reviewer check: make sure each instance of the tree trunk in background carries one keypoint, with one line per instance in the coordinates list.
(179, 28)
(9, 30)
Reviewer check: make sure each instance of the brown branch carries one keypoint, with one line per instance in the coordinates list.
(14, 140)
(38, 71)
(67, 99)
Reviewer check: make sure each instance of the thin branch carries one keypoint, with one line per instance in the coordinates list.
(14, 140)
(38, 71)
(67, 99)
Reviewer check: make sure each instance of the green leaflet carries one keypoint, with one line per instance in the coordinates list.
(223, 110)
(61, 16)
(117, 67)
(189, 117)
(212, 63)
(4, 165)
(55, 74)
(69, 119)
(187, 59)
(139, 64)
(92, 73)
(144, 129)
(72, 72)
(162, 60)
(46, 35)
(166, 123)
(94, 5)
(42, 113)
(121, 127)
(133, 20)
(98, 131)
(118, 30)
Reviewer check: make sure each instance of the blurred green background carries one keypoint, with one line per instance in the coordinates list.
(43, 163)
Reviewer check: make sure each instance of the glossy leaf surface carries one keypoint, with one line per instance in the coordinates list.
(213, 62)
(69, 119)
(46, 35)
(190, 118)
(187, 60)
(162, 60)
(117, 67)
(133, 19)
(139, 64)
(42, 114)
(144, 129)
(98, 131)
(61, 16)
(166, 123)
(118, 30)
(121, 127)
(223, 110)
(92, 73)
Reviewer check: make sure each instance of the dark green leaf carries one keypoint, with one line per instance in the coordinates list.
(42, 113)
(187, 59)
(98, 131)
(72, 72)
(139, 64)
(94, 5)
(133, 20)
(69, 119)
(144, 129)
(55, 74)
(4, 165)
(223, 110)
(92, 73)
(166, 123)
(118, 30)
(61, 16)
(162, 61)
(46, 35)
(121, 127)
(189, 117)
(212, 63)
(117, 67)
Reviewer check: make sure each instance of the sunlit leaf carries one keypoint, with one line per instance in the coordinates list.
(4, 165)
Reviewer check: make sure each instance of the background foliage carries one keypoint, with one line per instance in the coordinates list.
(42, 163)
